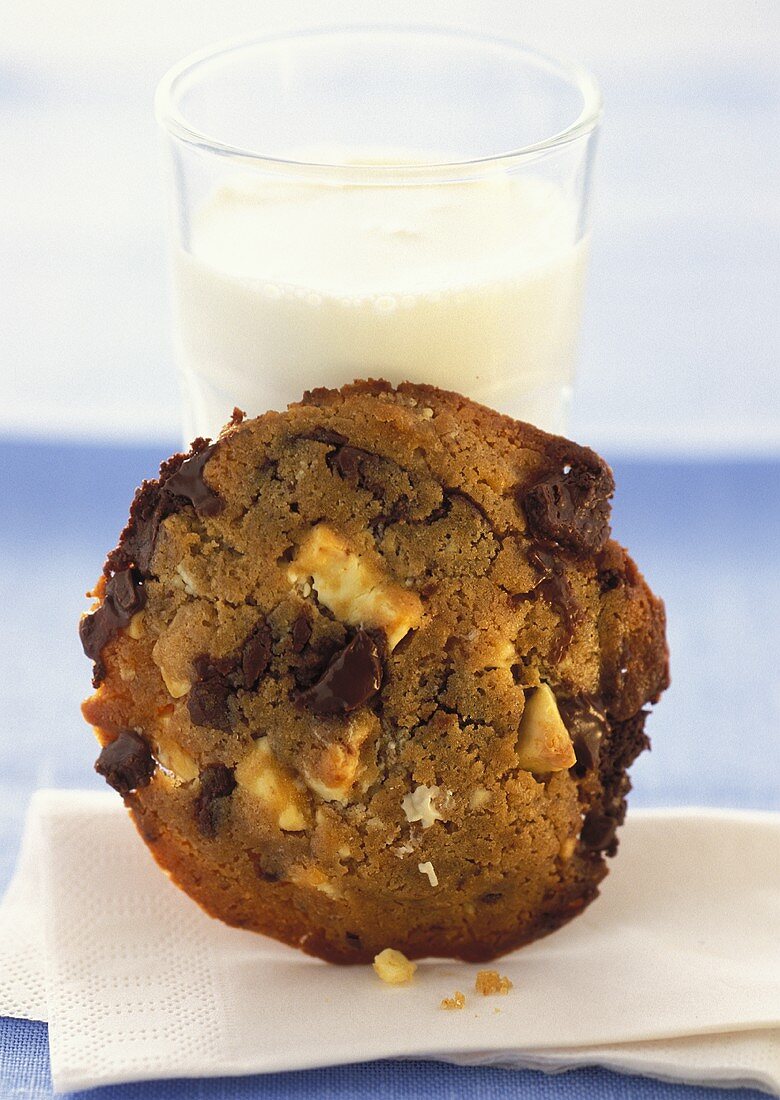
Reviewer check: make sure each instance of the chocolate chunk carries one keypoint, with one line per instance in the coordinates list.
(188, 482)
(598, 831)
(301, 632)
(346, 462)
(325, 435)
(126, 592)
(256, 655)
(608, 579)
(125, 595)
(556, 590)
(207, 701)
(354, 465)
(207, 667)
(216, 782)
(137, 541)
(570, 506)
(126, 763)
(587, 725)
(491, 898)
(220, 677)
(153, 503)
(352, 677)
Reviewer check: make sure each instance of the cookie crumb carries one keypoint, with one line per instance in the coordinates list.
(427, 869)
(490, 982)
(393, 967)
(457, 1000)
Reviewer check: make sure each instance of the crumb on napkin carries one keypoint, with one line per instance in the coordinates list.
(457, 1000)
(489, 982)
(393, 967)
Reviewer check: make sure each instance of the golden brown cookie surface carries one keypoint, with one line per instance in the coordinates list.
(370, 673)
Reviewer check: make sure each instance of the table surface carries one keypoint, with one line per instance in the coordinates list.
(706, 535)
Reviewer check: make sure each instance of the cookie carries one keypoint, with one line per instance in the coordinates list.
(369, 673)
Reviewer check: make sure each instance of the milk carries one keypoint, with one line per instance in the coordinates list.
(284, 286)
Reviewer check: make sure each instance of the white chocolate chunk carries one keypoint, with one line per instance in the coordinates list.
(544, 744)
(418, 806)
(479, 798)
(353, 586)
(427, 869)
(267, 780)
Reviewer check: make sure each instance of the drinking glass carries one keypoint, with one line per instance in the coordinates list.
(408, 203)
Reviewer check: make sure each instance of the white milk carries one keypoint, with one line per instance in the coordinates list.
(286, 286)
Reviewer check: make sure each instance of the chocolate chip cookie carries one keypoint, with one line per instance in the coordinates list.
(369, 673)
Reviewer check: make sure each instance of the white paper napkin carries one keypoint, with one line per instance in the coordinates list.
(673, 972)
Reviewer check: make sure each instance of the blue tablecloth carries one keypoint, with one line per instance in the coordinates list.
(706, 535)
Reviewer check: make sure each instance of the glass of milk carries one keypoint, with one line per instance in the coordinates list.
(377, 202)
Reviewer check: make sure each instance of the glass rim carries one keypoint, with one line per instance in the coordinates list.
(171, 119)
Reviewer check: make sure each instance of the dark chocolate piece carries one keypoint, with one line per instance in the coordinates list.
(556, 590)
(598, 831)
(188, 482)
(256, 655)
(352, 677)
(220, 677)
(216, 782)
(126, 763)
(346, 462)
(587, 725)
(571, 506)
(207, 701)
(609, 579)
(125, 595)
(326, 435)
(353, 464)
(301, 632)
(154, 501)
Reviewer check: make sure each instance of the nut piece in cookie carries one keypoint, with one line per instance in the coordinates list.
(544, 744)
